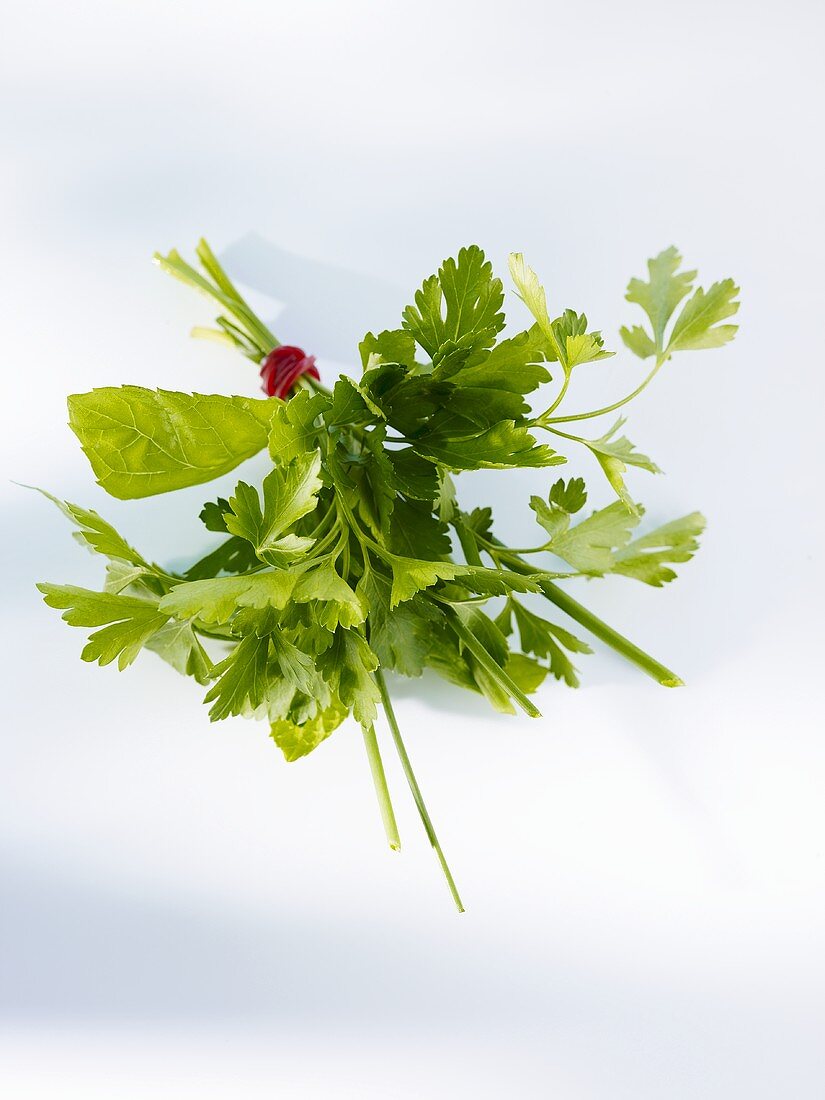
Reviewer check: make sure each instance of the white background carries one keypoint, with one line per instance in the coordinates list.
(185, 915)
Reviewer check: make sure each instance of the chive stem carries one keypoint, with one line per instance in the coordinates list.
(382, 792)
(416, 790)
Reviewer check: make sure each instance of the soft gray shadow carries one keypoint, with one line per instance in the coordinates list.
(327, 309)
(77, 949)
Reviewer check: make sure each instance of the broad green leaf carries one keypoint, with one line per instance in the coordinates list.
(528, 674)
(352, 406)
(697, 326)
(141, 442)
(235, 555)
(296, 740)
(289, 493)
(129, 622)
(416, 533)
(589, 546)
(414, 475)
(647, 558)
(658, 297)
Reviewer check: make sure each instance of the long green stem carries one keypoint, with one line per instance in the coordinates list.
(416, 790)
(593, 623)
(545, 419)
(611, 637)
(493, 669)
(381, 789)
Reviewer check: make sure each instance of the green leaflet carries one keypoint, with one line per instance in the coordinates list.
(347, 666)
(289, 493)
(503, 446)
(97, 534)
(141, 442)
(649, 558)
(614, 456)
(697, 326)
(296, 740)
(294, 425)
(178, 645)
(659, 296)
(589, 546)
(129, 622)
(458, 311)
(215, 600)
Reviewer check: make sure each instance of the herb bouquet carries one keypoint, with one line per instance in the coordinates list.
(354, 557)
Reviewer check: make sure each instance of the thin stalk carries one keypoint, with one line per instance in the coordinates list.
(493, 668)
(611, 637)
(416, 790)
(545, 418)
(382, 792)
(597, 627)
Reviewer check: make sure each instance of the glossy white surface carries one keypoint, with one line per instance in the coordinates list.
(183, 914)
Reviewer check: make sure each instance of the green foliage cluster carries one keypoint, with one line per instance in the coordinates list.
(354, 556)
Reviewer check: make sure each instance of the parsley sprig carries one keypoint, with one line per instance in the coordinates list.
(354, 557)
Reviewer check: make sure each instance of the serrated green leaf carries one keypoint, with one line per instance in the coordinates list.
(548, 641)
(334, 602)
(570, 496)
(648, 558)
(410, 576)
(660, 296)
(289, 493)
(130, 622)
(216, 600)
(589, 546)
(98, 535)
(141, 442)
(242, 681)
(533, 295)
(457, 312)
(697, 326)
(638, 341)
(347, 666)
(614, 456)
(503, 446)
